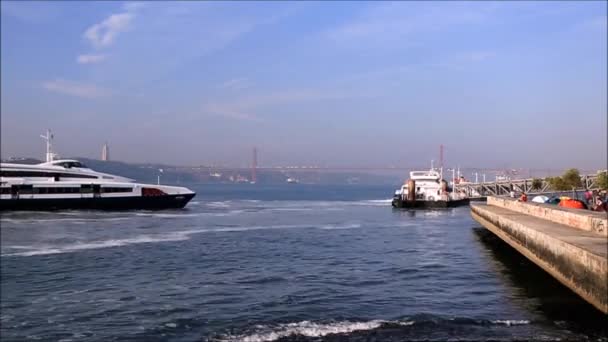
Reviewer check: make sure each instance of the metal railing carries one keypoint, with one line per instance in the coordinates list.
(529, 186)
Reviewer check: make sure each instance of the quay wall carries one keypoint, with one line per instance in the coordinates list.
(595, 222)
(576, 257)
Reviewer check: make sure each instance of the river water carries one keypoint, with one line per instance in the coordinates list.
(266, 263)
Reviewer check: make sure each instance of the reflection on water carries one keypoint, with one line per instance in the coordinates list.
(537, 290)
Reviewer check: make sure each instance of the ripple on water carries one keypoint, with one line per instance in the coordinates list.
(265, 269)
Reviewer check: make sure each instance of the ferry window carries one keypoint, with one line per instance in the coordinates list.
(152, 192)
(70, 164)
(72, 175)
(26, 189)
(115, 189)
(5, 191)
(63, 164)
(43, 174)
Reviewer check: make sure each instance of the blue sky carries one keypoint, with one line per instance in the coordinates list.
(518, 84)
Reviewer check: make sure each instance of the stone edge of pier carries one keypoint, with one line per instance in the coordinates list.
(584, 272)
(595, 222)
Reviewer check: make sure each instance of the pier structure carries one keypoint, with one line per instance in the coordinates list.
(569, 244)
(504, 187)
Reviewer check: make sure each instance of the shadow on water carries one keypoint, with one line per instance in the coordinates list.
(421, 211)
(541, 292)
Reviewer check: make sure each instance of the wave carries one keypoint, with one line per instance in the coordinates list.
(377, 202)
(510, 322)
(308, 204)
(74, 219)
(304, 328)
(337, 227)
(168, 237)
(316, 330)
(218, 204)
(166, 215)
(290, 209)
(287, 226)
(46, 250)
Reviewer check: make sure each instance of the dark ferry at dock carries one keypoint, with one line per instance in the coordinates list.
(427, 190)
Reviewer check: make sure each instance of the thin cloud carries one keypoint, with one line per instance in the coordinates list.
(104, 33)
(33, 12)
(235, 84)
(73, 88)
(247, 108)
(133, 5)
(229, 111)
(599, 23)
(390, 22)
(478, 56)
(90, 59)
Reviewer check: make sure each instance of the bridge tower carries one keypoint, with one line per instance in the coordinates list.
(254, 165)
(441, 156)
(105, 152)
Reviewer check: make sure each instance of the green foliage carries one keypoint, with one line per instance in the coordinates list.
(557, 183)
(571, 179)
(537, 184)
(602, 180)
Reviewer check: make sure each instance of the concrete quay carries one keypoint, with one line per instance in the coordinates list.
(569, 244)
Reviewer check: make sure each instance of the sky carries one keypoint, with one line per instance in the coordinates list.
(499, 84)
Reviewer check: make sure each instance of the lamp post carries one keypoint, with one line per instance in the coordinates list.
(158, 176)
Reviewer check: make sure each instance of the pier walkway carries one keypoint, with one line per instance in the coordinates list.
(570, 244)
(502, 188)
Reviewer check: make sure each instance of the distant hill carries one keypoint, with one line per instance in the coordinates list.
(148, 173)
(139, 172)
(28, 161)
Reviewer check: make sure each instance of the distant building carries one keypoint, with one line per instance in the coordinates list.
(105, 152)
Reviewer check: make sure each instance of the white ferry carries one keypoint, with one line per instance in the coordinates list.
(427, 189)
(69, 184)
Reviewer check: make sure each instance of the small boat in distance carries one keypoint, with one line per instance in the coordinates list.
(69, 184)
(427, 189)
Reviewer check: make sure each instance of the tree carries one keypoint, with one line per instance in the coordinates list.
(602, 180)
(557, 183)
(572, 179)
(537, 184)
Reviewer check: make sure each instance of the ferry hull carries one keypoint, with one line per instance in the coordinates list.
(108, 203)
(398, 203)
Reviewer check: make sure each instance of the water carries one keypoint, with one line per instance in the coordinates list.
(288, 263)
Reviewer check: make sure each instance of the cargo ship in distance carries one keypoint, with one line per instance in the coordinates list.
(427, 190)
(69, 184)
